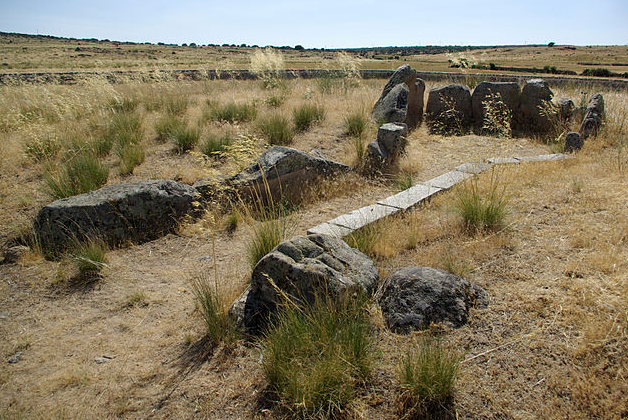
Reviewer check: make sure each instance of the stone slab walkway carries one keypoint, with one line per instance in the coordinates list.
(346, 224)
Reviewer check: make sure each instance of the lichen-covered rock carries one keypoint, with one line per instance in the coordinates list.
(389, 145)
(401, 99)
(414, 297)
(593, 117)
(449, 110)
(118, 213)
(573, 142)
(534, 96)
(303, 268)
(566, 108)
(285, 171)
(509, 92)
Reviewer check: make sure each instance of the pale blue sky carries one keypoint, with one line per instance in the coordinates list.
(326, 23)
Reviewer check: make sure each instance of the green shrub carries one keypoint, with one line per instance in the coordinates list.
(167, 125)
(427, 376)
(83, 173)
(306, 115)
(214, 144)
(356, 123)
(479, 210)
(232, 112)
(184, 138)
(317, 358)
(277, 129)
(89, 257)
(130, 156)
(214, 310)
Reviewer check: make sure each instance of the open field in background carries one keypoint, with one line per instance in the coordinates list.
(553, 343)
(42, 54)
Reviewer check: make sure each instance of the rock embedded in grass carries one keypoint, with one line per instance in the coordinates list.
(303, 269)
(414, 297)
(573, 142)
(448, 106)
(117, 214)
(509, 92)
(386, 149)
(593, 117)
(534, 95)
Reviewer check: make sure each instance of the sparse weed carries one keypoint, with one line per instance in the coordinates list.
(275, 101)
(136, 299)
(40, 149)
(176, 104)
(83, 173)
(479, 210)
(126, 104)
(497, 116)
(427, 376)
(404, 181)
(276, 128)
(317, 358)
(306, 115)
(449, 121)
(267, 64)
(557, 127)
(233, 220)
(453, 263)
(214, 310)
(365, 239)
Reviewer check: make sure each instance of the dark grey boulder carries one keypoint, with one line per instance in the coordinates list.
(401, 99)
(301, 269)
(285, 170)
(449, 110)
(573, 142)
(509, 92)
(593, 117)
(566, 108)
(534, 95)
(394, 106)
(117, 214)
(414, 297)
(389, 145)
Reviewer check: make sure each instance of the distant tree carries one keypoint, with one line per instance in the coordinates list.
(551, 44)
(299, 47)
(193, 44)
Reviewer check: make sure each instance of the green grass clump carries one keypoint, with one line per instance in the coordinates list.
(41, 149)
(427, 376)
(121, 129)
(185, 138)
(176, 104)
(215, 144)
(482, 210)
(365, 239)
(232, 112)
(126, 104)
(130, 156)
(404, 181)
(356, 124)
(89, 257)
(213, 309)
(270, 229)
(167, 125)
(316, 358)
(306, 115)
(277, 129)
(83, 173)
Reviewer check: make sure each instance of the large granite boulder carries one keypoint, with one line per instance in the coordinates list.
(389, 145)
(534, 96)
(509, 93)
(449, 110)
(303, 269)
(414, 297)
(401, 99)
(118, 213)
(593, 118)
(285, 171)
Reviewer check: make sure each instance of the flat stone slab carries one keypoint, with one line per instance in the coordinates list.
(473, 167)
(331, 230)
(364, 216)
(544, 158)
(410, 197)
(448, 180)
(502, 160)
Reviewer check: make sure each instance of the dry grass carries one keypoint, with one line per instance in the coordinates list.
(555, 330)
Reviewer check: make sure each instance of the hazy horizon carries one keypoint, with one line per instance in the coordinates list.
(325, 24)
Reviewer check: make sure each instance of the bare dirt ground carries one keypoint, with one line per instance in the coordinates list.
(552, 343)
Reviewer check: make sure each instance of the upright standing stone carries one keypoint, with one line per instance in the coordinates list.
(386, 149)
(449, 109)
(389, 108)
(593, 117)
(509, 92)
(534, 96)
(573, 142)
